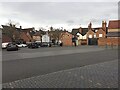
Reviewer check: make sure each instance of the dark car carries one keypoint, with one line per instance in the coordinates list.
(45, 44)
(33, 45)
(12, 47)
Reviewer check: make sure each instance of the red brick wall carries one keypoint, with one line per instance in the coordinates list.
(66, 39)
(25, 37)
(113, 41)
(109, 41)
(102, 41)
(90, 32)
(100, 31)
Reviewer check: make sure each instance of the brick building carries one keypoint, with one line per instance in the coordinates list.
(97, 36)
(81, 34)
(26, 34)
(37, 36)
(66, 38)
(10, 33)
(113, 35)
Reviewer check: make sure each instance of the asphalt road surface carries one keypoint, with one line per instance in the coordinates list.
(26, 62)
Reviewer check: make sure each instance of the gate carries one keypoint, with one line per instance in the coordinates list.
(92, 41)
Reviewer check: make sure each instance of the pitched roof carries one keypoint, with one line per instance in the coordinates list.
(115, 24)
(75, 31)
(113, 34)
(37, 34)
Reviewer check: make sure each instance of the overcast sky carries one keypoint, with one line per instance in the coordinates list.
(58, 14)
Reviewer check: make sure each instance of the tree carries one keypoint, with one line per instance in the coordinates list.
(10, 31)
(55, 34)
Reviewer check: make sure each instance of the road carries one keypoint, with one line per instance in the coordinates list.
(26, 62)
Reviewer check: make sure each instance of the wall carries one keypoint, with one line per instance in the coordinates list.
(66, 39)
(113, 30)
(109, 41)
(26, 37)
(90, 32)
(113, 41)
(100, 31)
(37, 38)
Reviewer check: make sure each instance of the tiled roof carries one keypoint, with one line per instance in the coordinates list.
(75, 31)
(84, 31)
(37, 34)
(115, 24)
(113, 34)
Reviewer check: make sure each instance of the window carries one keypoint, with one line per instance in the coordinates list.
(90, 36)
(100, 35)
(96, 30)
(94, 35)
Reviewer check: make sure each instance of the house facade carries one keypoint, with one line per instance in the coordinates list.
(12, 33)
(37, 36)
(26, 34)
(113, 35)
(46, 38)
(97, 36)
(81, 34)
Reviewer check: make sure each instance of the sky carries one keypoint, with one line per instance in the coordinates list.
(58, 14)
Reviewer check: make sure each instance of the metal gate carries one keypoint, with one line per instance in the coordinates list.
(92, 41)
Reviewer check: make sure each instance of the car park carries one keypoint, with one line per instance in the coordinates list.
(12, 47)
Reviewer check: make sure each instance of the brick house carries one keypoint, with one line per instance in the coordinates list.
(26, 34)
(81, 33)
(37, 36)
(97, 36)
(66, 38)
(91, 39)
(101, 34)
(16, 34)
(113, 35)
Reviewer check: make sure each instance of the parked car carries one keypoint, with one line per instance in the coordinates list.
(45, 44)
(33, 45)
(12, 47)
(21, 45)
(4, 45)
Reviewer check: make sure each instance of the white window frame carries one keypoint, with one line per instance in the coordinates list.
(94, 35)
(100, 35)
(90, 36)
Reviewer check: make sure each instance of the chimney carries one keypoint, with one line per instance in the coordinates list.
(20, 27)
(80, 29)
(90, 26)
(104, 25)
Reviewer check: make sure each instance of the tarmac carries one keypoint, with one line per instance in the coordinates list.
(101, 75)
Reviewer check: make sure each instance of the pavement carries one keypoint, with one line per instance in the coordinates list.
(100, 75)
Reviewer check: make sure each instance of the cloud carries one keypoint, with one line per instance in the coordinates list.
(59, 1)
(63, 14)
